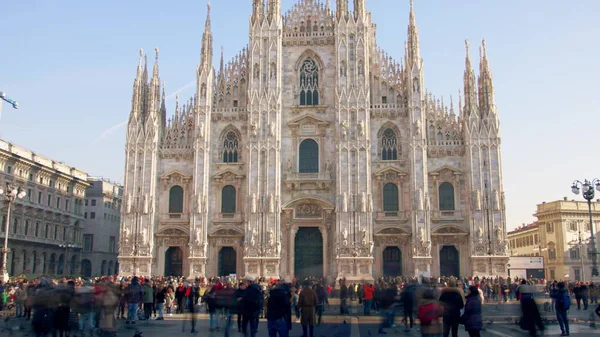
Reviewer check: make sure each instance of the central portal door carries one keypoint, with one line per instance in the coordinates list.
(174, 262)
(392, 261)
(449, 261)
(308, 254)
(227, 261)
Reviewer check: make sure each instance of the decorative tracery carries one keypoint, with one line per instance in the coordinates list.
(230, 148)
(309, 83)
(389, 145)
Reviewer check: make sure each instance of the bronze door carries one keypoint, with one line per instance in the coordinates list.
(308, 253)
(174, 262)
(449, 261)
(227, 261)
(392, 261)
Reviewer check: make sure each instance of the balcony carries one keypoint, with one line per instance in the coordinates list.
(228, 218)
(174, 218)
(391, 217)
(450, 215)
(308, 181)
(38, 240)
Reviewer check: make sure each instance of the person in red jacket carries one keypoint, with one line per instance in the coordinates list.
(368, 290)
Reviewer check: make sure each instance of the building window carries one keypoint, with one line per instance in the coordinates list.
(573, 226)
(92, 215)
(66, 205)
(309, 83)
(64, 234)
(389, 145)
(577, 273)
(37, 229)
(552, 254)
(86, 202)
(26, 229)
(574, 253)
(88, 242)
(446, 193)
(46, 231)
(9, 169)
(550, 227)
(93, 202)
(39, 197)
(383, 99)
(58, 202)
(85, 215)
(50, 200)
(308, 157)
(176, 199)
(230, 148)
(228, 200)
(112, 244)
(29, 194)
(552, 274)
(55, 232)
(390, 198)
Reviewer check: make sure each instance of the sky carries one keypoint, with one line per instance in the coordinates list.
(71, 65)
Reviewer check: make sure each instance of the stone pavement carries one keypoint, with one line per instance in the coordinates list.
(339, 326)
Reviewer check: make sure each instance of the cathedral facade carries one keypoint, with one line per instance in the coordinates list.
(314, 153)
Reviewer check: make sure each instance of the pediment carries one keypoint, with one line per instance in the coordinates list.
(172, 232)
(312, 200)
(308, 120)
(446, 168)
(392, 231)
(228, 175)
(226, 232)
(449, 230)
(390, 170)
(175, 176)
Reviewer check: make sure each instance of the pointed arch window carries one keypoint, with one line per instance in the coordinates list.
(228, 199)
(308, 157)
(176, 200)
(230, 148)
(446, 193)
(389, 145)
(390, 198)
(309, 83)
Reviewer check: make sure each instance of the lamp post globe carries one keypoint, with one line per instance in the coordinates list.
(588, 187)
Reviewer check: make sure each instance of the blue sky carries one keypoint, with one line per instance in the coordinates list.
(71, 65)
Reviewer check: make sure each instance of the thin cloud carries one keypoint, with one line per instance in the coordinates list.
(180, 90)
(108, 132)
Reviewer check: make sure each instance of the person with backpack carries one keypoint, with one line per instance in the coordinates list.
(429, 314)
(562, 305)
(452, 299)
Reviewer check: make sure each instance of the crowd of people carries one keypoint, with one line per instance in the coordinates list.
(81, 307)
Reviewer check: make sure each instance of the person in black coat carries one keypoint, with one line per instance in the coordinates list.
(279, 309)
(472, 318)
(452, 299)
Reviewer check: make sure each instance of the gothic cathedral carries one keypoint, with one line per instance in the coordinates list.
(314, 153)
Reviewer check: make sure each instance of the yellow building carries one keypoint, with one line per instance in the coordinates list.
(525, 240)
(564, 230)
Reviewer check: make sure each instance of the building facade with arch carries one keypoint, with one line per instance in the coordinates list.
(313, 153)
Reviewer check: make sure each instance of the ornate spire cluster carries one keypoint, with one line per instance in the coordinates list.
(232, 82)
(389, 69)
(307, 18)
(444, 128)
(179, 131)
(413, 50)
(479, 107)
(146, 102)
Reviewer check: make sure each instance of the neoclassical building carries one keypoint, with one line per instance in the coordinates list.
(45, 226)
(313, 153)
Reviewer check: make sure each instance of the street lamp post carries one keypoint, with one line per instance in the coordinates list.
(589, 194)
(11, 193)
(66, 246)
